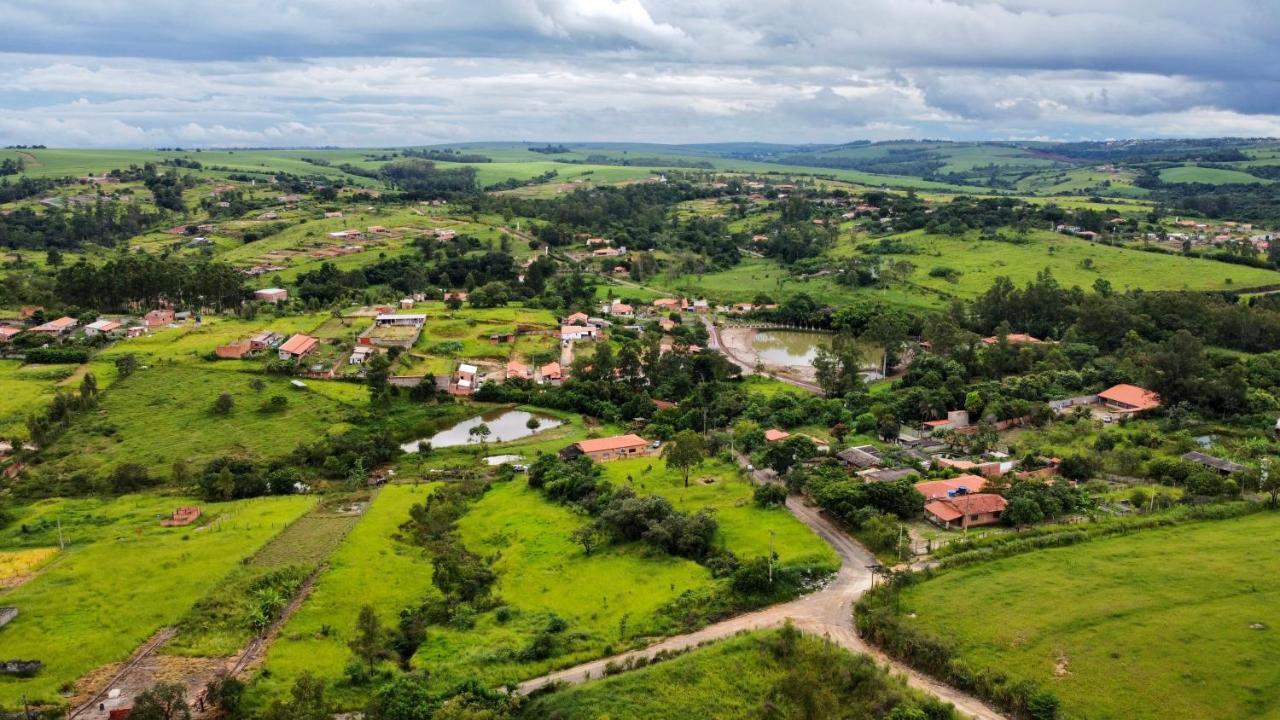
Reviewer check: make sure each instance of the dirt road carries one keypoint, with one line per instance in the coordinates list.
(828, 612)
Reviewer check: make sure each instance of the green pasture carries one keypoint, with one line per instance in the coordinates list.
(121, 578)
(745, 528)
(1164, 623)
(369, 567)
(1073, 262)
(740, 678)
(165, 413)
(1209, 176)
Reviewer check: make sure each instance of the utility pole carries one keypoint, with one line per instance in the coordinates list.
(770, 556)
(62, 545)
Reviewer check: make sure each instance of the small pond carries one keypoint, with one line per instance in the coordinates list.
(789, 347)
(504, 426)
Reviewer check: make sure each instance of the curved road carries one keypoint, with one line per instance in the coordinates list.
(828, 612)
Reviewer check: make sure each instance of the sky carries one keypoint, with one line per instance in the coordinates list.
(370, 73)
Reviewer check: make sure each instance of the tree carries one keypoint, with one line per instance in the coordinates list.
(480, 432)
(770, 495)
(589, 536)
(1270, 484)
(162, 701)
(307, 701)
(378, 377)
(226, 693)
(126, 364)
(370, 643)
(684, 452)
(89, 390)
(224, 404)
(1022, 511)
(533, 423)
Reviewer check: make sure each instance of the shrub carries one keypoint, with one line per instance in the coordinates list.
(770, 495)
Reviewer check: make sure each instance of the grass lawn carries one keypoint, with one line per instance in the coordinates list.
(27, 389)
(371, 567)
(121, 578)
(165, 413)
(187, 342)
(1152, 625)
(744, 527)
(15, 565)
(611, 599)
(1210, 176)
(729, 680)
(1072, 261)
(753, 276)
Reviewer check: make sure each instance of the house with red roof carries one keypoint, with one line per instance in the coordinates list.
(775, 435)
(298, 347)
(1014, 339)
(610, 448)
(61, 326)
(958, 485)
(1129, 399)
(965, 511)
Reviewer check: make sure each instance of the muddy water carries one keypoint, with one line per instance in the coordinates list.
(504, 426)
(789, 347)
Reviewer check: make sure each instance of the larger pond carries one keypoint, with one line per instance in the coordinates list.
(504, 426)
(789, 347)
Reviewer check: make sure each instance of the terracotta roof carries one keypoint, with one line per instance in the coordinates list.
(933, 489)
(774, 434)
(1014, 339)
(551, 369)
(954, 508)
(1131, 396)
(58, 325)
(299, 344)
(103, 325)
(617, 442)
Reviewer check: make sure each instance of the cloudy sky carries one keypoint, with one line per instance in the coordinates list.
(147, 73)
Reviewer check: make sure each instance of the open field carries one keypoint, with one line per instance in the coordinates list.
(121, 578)
(188, 342)
(1209, 176)
(1073, 262)
(27, 388)
(740, 678)
(369, 567)
(753, 276)
(744, 528)
(1159, 624)
(16, 566)
(609, 598)
(164, 413)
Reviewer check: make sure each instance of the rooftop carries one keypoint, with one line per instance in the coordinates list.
(617, 442)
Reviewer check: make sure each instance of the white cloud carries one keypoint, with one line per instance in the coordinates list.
(217, 72)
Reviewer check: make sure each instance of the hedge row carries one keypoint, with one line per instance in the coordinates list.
(878, 621)
(967, 552)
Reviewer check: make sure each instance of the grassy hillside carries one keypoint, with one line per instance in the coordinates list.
(121, 578)
(749, 676)
(1168, 623)
(126, 428)
(1209, 176)
(1073, 262)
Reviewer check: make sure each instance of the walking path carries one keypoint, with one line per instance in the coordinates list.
(827, 612)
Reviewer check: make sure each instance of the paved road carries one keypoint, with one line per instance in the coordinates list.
(828, 612)
(714, 343)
